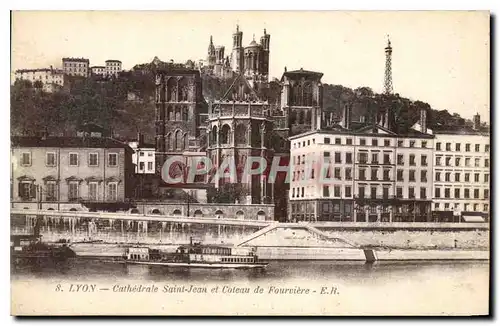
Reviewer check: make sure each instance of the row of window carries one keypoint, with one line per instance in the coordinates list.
(51, 160)
(49, 192)
(142, 165)
(300, 192)
(456, 206)
(362, 142)
(238, 260)
(458, 178)
(458, 161)
(458, 192)
(72, 64)
(362, 175)
(458, 147)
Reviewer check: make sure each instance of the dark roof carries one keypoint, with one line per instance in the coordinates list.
(303, 72)
(97, 67)
(30, 70)
(111, 60)
(66, 142)
(76, 59)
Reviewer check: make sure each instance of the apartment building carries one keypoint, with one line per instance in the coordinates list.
(361, 172)
(462, 173)
(76, 66)
(50, 78)
(69, 172)
(98, 71)
(113, 67)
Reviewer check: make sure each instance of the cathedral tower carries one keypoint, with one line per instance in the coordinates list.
(211, 57)
(237, 55)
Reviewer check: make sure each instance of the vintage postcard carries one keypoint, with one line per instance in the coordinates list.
(323, 163)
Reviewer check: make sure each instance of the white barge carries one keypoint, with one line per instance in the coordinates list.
(195, 256)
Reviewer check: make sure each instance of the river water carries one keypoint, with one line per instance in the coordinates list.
(297, 288)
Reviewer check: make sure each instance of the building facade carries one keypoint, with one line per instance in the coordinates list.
(51, 79)
(240, 127)
(361, 172)
(113, 67)
(98, 71)
(76, 66)
(461, 173)
(69, 172)
(143, 156)
(179, 102)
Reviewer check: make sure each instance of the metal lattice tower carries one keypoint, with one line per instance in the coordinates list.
(388, 68)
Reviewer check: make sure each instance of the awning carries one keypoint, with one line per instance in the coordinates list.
(473, 218)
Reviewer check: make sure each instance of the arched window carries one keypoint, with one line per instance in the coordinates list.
(134, 211)
(240, 215)
(240, 135)
(168, 145)
(213, 140)
(177, 212)
(308, 94)
(261, 215)
(170, 113)
(219, 214)
(293, 117)
(156, 211)
(184, 114)
(73, 210)
(179, 141)
(172, 90)
(186, 141)
(183, 90)
(224, 134)
(198, 213)
(172, 141)
(177, 114)
(301, 117)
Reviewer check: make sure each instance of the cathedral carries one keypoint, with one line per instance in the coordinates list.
(251, 61)
(239, 125)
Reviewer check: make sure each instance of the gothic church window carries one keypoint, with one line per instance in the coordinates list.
(308, 118)
(184, 114)
(301, 117)
(179, 140)
(224, 134)
(213, 135)
(168, 144)
(177, 114)
(170, 114)
(293, 117)
(172, 90)
(308, 94)
(240, 135)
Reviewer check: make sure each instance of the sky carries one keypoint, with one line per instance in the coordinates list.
(441, 58)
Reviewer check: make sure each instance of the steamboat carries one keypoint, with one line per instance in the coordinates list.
(196, 255)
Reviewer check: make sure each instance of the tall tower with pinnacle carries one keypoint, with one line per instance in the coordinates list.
(388, 68)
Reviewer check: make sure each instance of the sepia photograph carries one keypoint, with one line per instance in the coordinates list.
(250, 163)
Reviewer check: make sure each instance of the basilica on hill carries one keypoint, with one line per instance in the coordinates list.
(240, 124)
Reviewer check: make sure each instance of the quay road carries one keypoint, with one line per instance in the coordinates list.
(254, 223)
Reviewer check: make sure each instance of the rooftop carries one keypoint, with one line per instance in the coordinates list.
(75, 59)
(111, 60)
(66, 142)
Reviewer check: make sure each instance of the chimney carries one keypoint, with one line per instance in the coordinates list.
(477, 121)
(140, 139)
(423, 120)
(346, 116)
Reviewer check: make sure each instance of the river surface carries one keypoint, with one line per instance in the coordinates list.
(284, 287)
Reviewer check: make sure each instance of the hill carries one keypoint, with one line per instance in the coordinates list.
(125, 104)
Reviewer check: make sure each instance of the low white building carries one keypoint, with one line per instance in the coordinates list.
(113, 67)
(50, 78)
(143, 156)
(98, 70)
